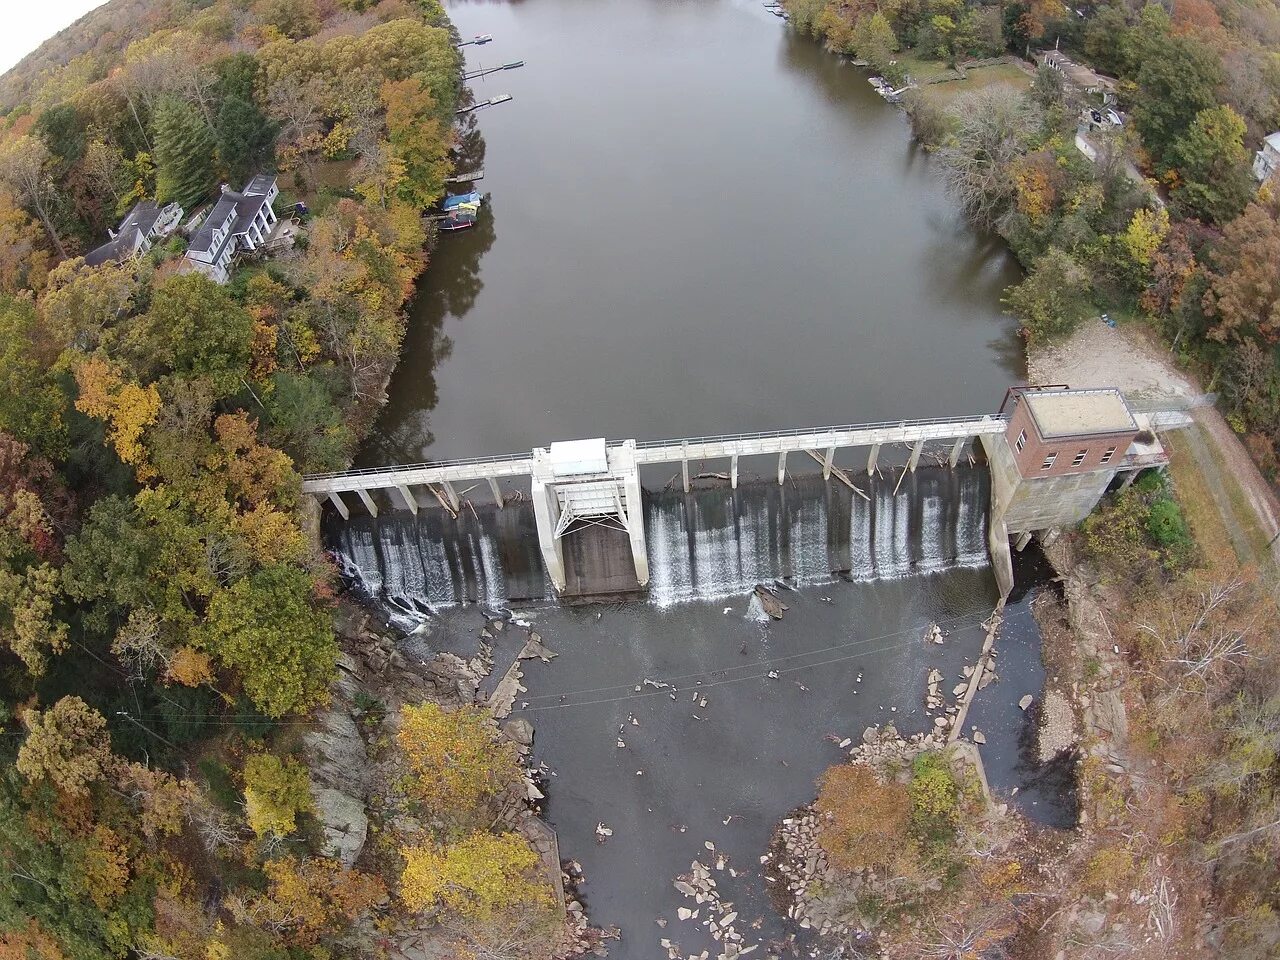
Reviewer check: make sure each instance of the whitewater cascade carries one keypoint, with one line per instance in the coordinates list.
(702, 545)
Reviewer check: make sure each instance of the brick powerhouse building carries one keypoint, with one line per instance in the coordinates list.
(1060, 453)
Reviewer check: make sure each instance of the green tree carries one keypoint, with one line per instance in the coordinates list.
(874, 40)
(194, 329)
(183, 153)
(1052, 299)
(1177, 79)
(268, 629)
(63, 131)
(1214, 165)
(305, 422)
(31, 403)
(244, 135)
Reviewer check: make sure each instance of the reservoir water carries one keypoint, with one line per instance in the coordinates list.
(699, 223)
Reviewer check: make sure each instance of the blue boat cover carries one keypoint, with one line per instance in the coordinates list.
(459, 199)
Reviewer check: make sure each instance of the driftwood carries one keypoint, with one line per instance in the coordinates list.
(444, 502)
(838, 473)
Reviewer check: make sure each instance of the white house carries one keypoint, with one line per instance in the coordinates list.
(1267, 160)
(144, 223)
(238, 221)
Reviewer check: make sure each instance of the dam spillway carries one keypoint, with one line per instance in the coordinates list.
(711, 542)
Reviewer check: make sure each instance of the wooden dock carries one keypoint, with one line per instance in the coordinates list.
(466, 177)
(491, 102)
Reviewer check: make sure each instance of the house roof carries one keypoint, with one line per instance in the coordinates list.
(223, 210)
(261, 184)
(121, 247)
(241, 207)
(1273, 140)
(1065, 413)
(143, 216)
(247, 208)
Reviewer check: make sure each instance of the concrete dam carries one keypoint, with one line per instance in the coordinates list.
(586, 530)
(711, 542)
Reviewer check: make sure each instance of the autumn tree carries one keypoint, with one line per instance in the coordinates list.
(127, 407)
(1244, 295)
(275, 792)
(24, 260)
(863, 823)
(1215, 181)
(308, 899)
(23, 173)
(83, 306)
(66, 745)
(461, 764)
(475, 877)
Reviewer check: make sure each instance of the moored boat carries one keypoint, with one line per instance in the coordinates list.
(457, 221)
(461, 201)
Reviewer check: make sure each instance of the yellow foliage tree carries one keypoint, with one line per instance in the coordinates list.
(1145, 233)
(459, 760)
(127, 407)
(66, 745)
(473, 878)
(104, 867)
(275, 792)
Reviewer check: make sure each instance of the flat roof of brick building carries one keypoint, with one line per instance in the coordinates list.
(1064, 413)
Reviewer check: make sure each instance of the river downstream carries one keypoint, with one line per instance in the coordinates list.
(698, 223)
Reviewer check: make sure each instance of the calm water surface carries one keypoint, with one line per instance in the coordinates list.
(698, 223)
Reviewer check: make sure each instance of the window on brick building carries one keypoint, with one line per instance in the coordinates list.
(1111, 452)
(1021, 441)
(1048, 461)
(1079, 458)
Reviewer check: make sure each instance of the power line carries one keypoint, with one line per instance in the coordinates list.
(954, 622)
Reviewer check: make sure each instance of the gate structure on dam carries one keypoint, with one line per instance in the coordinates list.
(1054, 452)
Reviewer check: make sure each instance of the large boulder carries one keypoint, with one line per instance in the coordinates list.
(337, 754)
(346, 827)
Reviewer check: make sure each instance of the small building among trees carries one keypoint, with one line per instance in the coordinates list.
(1267, 160)
(147, 221)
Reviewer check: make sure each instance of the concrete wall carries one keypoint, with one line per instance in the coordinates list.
(1039, 503)
(1036, 448)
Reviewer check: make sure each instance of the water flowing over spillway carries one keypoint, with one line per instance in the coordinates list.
(709, 543)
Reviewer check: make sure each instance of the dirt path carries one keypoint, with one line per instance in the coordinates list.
(1102, 356)
(1098, 355)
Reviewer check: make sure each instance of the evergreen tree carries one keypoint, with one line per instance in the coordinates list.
(184, 153)
(244, 135)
